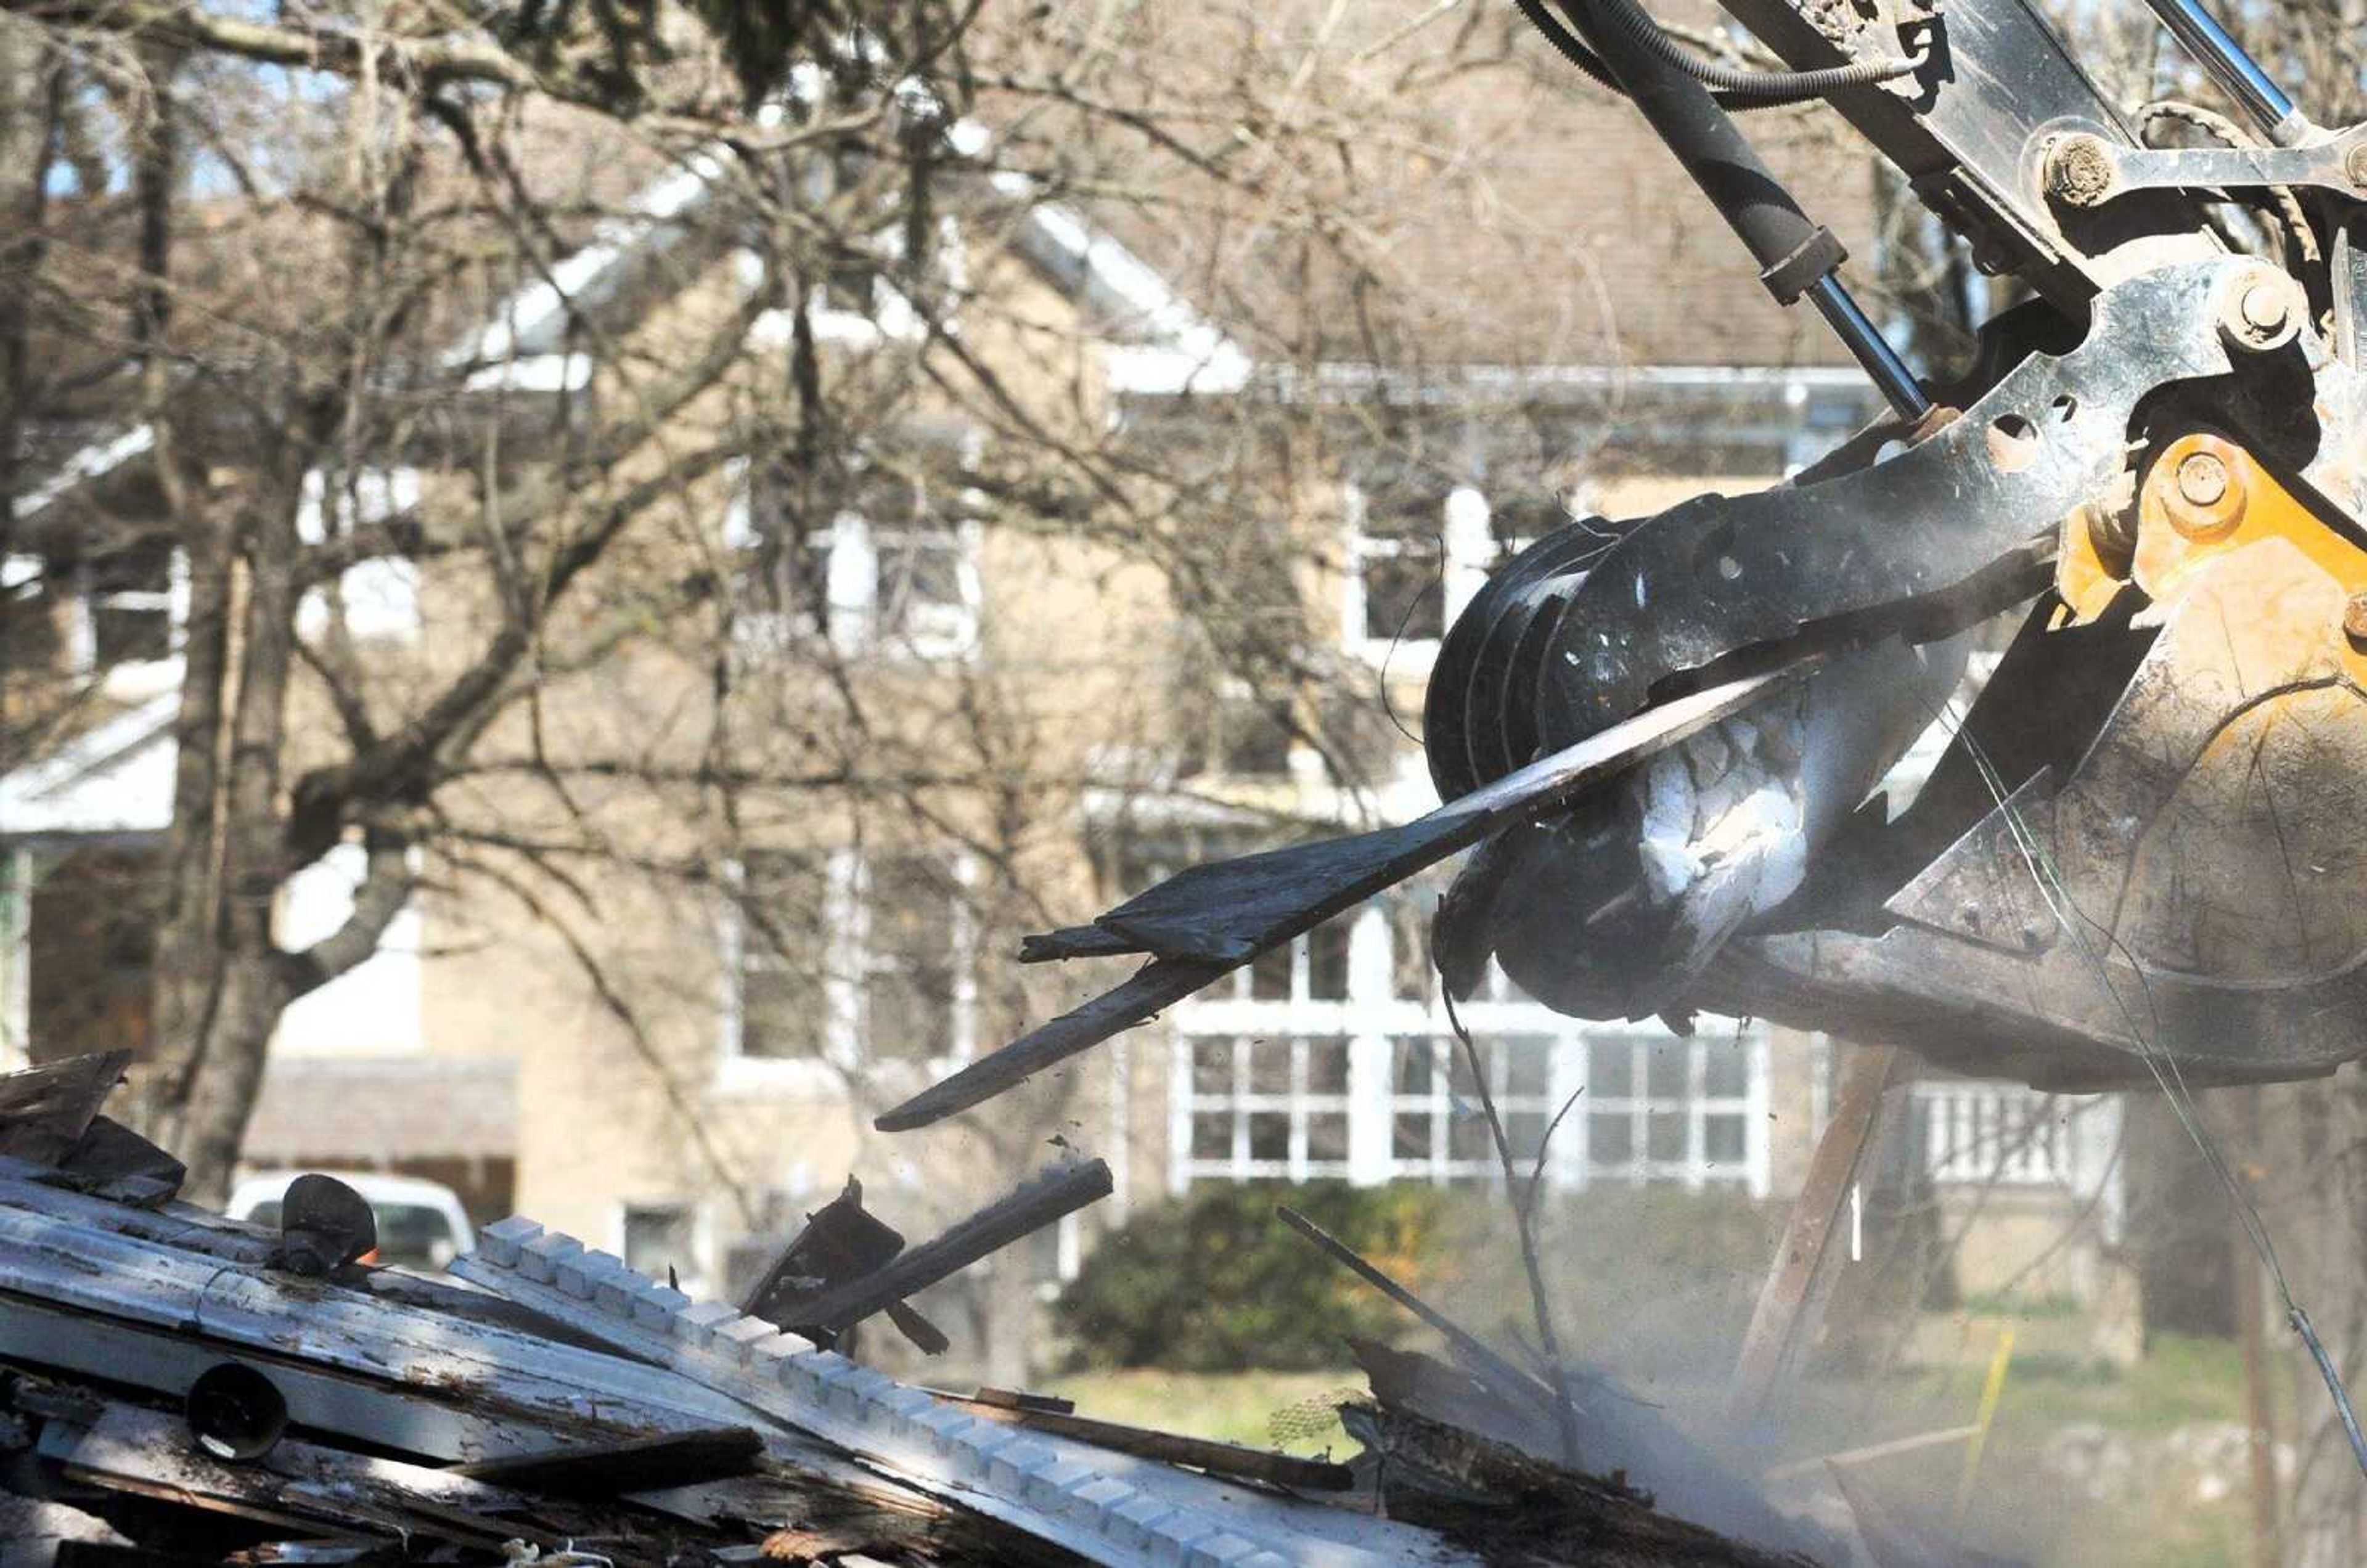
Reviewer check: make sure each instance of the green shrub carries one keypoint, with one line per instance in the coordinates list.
(1212, 1282)
(1645, 1281)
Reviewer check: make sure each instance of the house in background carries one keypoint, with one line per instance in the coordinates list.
(477, 1050)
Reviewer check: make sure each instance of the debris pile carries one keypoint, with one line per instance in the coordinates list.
(176, 1387)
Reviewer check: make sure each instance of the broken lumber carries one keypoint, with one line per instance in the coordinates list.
(1209, 920)
(627, 1465)
(1053, 1192)
(1201, 1454)
(1510, 1380)
(1104, 1505)
(1791, 1302)
(45, 1111)
(842, 1242)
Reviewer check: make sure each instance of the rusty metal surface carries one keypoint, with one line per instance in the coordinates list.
(2195, 889)
(1717, 575)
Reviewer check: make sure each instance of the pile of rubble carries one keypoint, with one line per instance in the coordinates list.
(176, 1387)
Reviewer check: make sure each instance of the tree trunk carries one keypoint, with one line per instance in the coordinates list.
(31, 84)
(2314, 1199)
(220, 1100)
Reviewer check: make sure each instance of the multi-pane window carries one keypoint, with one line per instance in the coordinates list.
(1397, 550)
(1663, 1109)
(907, 976)
(839, 181)
(921, 566)
(1270, 1107)
(783, 919)
(129, 595)
(1985, 1133)
(792, 533)
(845, 959)
(1310, 968)
(885, 560)
(1334, 1055)
(1438, 1126)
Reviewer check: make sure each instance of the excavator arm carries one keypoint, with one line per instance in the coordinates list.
(2136, 853)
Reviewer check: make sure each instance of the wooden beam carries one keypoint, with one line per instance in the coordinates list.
(1053, 1192)
(45, 1111)
(1209, 920)
(1791, 1303)
(1201, 1454)
(627, 1465)
(1470, 1349)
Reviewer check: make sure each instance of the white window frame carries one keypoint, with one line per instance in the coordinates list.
(847, 964)
(381, 596)
(850, 549)
(1471, 550)
(1982, 1134)
(1694, 1169)
(128, 680)
(1374, 1020)
(696, 1270)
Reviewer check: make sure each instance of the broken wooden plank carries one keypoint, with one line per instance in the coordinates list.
(1143, 995)
(1108, 1507)
(45, 1111)
(1791, 1302)
(170, 1470)
(1234, 1459)
(1513, 1507)
(1206, 921)
(628, 1464)
(119, 1163)
(842, 1242)
(105, 1304)
(1510, 1380)
(1053, 1192)
(1869, 1453)
(1019, 1399)
(314, 1489)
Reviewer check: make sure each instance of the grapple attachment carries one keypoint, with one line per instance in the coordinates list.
(2133, 856)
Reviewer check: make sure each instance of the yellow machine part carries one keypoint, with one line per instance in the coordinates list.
(2204, 499)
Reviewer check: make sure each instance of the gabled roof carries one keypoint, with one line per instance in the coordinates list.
(116, 777)
(1162, 342)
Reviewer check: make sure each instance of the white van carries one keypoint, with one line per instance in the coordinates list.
(420, 1224)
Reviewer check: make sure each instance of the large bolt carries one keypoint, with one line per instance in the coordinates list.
(2202, 496)
(2354, 619)
(2355, 165)
(2203, 479)
(2265, 308)
(2079, 170)
(2259, 312)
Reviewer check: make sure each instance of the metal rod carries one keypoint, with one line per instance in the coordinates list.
(1866, 343)
(2236, 72)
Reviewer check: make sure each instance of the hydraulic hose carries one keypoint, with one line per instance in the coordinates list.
(1733, 88)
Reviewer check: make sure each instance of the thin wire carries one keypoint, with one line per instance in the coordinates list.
(1381, 678)
(2167, 1074)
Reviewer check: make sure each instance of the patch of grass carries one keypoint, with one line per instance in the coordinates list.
(2020, 1506)
(2060, 1307)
